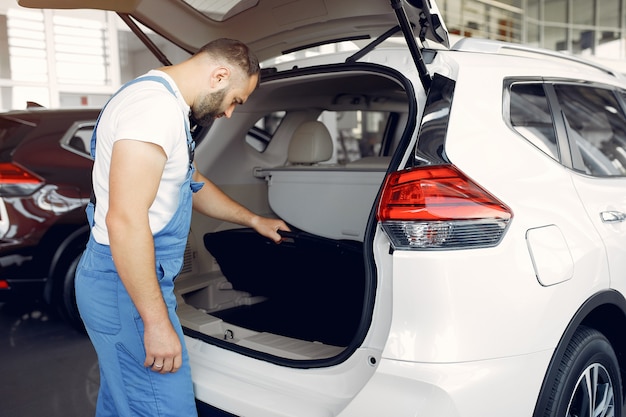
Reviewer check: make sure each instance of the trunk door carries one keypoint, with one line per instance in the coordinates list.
(269, 27)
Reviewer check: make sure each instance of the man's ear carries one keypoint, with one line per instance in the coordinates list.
(219, 77)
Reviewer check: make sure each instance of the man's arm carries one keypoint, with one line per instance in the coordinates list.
(213, 202)
(135, 174)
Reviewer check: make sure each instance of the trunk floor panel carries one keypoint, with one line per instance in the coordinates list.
(315, 286)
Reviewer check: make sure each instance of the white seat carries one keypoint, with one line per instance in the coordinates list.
(328, 200)
(310, 144)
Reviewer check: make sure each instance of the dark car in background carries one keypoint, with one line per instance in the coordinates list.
(45, 184)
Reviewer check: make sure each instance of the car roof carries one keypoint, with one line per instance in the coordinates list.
(269, 27)
(32, 116)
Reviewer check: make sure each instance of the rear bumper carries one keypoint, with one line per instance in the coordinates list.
(20, 279)
(489, 388)
(21, 290)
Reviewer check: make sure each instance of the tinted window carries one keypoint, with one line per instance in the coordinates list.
(78, 140)
(596, 129)
(531, 117)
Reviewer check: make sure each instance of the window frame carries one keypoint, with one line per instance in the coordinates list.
(71, 132)
(570, 156)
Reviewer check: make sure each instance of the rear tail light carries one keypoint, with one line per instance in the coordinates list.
(438, 207)
(17, 181)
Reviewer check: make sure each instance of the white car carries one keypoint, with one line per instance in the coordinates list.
(458, 217)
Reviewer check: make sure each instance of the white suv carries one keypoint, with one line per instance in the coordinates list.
(458, 244)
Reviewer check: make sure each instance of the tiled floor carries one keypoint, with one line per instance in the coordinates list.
(46, 367)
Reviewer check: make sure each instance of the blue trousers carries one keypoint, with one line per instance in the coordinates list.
(127, 387)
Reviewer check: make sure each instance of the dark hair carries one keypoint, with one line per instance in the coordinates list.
(235, 52)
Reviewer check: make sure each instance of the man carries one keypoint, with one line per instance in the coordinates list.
(145, 186)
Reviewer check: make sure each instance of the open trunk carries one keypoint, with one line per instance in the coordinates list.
(311, 296)
(307, 288)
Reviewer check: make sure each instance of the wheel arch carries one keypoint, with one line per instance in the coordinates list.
(605, 312)
(78, 236)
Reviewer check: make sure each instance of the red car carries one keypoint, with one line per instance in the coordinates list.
(45, 184)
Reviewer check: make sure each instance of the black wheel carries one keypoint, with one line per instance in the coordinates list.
(64, 296)
(588, 383)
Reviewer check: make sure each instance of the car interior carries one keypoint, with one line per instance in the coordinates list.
(300, 150)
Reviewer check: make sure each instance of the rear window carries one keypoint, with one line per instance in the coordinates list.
(532, 118)
(592, 117)
(596, 127)
(12, 131)
(356, 134)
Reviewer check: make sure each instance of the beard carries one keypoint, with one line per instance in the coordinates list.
(210, 108)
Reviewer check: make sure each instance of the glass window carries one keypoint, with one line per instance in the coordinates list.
(596, 129)
(531, 117)
(27, 46)
(81, 48)
(555, 38)
(79, 141)
(263, 130)
(532, 9)
(609, 13)
(583, 41)
(221, 10)
(555, 11)
(532, 35)
(356, 134)
(583, 12)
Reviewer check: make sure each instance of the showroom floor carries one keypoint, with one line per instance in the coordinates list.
(46, 367)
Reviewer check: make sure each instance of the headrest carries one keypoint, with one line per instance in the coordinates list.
(311, 143)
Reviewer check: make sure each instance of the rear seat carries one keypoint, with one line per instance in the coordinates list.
(328, 200)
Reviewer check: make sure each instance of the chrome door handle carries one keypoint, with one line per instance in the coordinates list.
(612, 216)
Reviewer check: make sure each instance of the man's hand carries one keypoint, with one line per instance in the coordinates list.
(269, 227)
(163, 348)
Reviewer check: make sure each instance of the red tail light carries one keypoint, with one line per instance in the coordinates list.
(438, 207)
(17, 181)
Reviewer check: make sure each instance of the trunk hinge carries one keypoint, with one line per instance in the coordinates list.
(416, 53)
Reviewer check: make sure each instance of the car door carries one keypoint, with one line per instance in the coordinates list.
(596, 126)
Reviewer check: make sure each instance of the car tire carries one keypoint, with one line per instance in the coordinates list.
(589, 368)
(64, 294)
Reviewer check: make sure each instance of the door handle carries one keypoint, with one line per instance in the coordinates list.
(612, 216)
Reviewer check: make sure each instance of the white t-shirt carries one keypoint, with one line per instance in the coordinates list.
(145, 111)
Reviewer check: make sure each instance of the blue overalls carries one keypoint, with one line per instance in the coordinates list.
(127, 387)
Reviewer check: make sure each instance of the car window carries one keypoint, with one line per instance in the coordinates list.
(355, 134)
(260, 135)
(596, 128)
(531, 117)
(11, 133)
(78, 138)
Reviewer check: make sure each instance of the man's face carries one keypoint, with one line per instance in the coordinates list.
(210, 108)
(222, 102)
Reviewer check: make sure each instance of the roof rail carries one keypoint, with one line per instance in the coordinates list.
(499, 47)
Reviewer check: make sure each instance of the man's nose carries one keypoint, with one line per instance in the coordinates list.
(229, 111)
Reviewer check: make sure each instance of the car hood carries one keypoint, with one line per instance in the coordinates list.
(269, 27)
